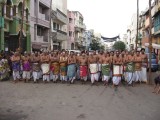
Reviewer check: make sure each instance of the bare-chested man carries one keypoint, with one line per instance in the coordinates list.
(106, 67)
(111, 56)
(93, 67)
(15, 59)
(26, 67)
(54, 66)
(130, 68)
(71, 69)
(35, 67)
(45, 66)
(138, 67)
(99, 57)
(63, 67)
(83, 64)
(144, 65)
(78, 56)
(117, 69)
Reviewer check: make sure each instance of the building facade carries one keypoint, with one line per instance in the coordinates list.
(40, 24)
(71, 30)
(59, 25)
(89, 34)
(80, 28)
(10, 25)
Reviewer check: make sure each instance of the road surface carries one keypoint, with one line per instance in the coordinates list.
(28, 101)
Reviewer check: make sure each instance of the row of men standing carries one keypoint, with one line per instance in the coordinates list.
(67, 67)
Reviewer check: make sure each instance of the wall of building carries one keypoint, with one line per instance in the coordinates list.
(71, 39)
(61, 5)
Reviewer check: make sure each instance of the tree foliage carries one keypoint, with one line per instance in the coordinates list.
(119, 45)
(95, 45)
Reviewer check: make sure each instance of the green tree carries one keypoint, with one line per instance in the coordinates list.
(102, 47)
(95, 45)
(119, 45)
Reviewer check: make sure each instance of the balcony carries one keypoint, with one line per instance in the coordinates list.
(43, 20)
(59, 16)
(43, 16)
(46, 2)
(83, 26)
(42, 39)
(59, 35)
(77, 29)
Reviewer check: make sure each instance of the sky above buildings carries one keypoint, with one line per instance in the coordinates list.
(108, 17)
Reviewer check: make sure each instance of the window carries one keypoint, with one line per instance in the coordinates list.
(70, 20)
(157, 23)
(39, 31)
(58, 27)
(70, 33)
(54, 26)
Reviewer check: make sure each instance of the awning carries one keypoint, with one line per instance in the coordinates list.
(156, 46)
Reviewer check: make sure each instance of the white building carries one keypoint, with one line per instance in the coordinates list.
(59, 25)
(132, 32)
(39, 24)
(80, 28)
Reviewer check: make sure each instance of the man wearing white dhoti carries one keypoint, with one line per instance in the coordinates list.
(45, 66)
(117, 69)
(93, 67)
(144, 65)
(138, 67)
(35, 67)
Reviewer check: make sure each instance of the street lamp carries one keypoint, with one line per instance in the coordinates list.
(150, 41)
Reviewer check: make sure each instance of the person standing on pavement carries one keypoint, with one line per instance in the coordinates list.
(63, 66)
(35, 67)
(138, 67)
(45, 66)
(83, 65)
(26, 67)
(71, 68)
(93, 67)
(54, 66)
(106, 67)
(15, 59)
(117, 69)
(130, 68)
(144, 65)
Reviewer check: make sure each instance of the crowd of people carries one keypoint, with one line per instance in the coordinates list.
(114, 66)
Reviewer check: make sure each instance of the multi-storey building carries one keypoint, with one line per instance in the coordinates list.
(71, 30)
(79, 30)
(40, 24)
(89, 34)
(10, 25)
(59, 25)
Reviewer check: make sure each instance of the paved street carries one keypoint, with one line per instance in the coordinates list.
(77, 102)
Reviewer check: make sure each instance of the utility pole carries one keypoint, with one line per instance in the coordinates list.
(21, 29)
(50, 31)
(137, 23)
(150, 40)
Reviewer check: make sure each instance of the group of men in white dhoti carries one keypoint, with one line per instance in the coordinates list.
(60, 65)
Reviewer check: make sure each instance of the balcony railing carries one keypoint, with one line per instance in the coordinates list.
(42, 39)
(59, 35)
(62, 32)
(60, 16)
(43, 16)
